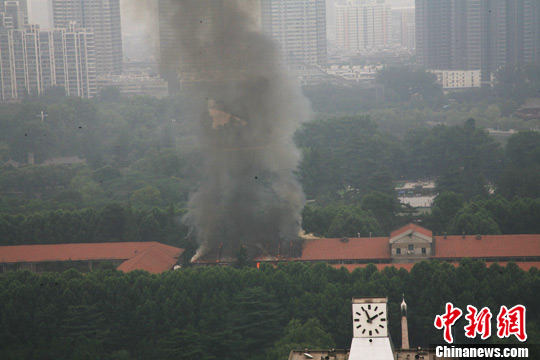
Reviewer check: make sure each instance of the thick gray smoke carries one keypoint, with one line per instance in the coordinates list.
(249, 109)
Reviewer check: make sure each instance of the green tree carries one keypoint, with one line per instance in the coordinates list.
(384, 207)
(351, 221)
(182, 344)
(88, 188)
(147, 196)
(444, 209)
(472, 220)
(405, 84)
(310, 335)
(255, 316)
(242, 259)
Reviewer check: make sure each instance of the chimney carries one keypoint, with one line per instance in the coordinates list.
(404, 326)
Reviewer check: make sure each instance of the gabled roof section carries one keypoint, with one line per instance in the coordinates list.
(346, 248)
(487, 246)
(410, 229)
(160, 254)
(155, 260)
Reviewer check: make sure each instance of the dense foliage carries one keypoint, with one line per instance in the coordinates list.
(142, 162)
(248, 313)
(138, 159)
(112, 223)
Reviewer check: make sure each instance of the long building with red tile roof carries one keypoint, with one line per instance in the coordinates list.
(153, 257)
(372, 249)
(412, 243)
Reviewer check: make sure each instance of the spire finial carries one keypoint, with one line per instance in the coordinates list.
(403, 306)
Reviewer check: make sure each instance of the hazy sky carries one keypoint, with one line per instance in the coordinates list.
(139, 16)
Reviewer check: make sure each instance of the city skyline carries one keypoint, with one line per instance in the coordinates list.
(34, 60)
(477, 35)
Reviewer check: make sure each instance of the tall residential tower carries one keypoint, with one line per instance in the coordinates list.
(299, 27)
(477, 34)
(186, 31)
(33, 60)
(362, 26)
(103, 18)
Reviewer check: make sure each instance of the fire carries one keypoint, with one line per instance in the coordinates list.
(221, 118)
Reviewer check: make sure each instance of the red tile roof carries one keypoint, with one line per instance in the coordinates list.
(488, 246)
(95, 252)
(413, 227)
(524, 265)
(155, 260)
(353, 248)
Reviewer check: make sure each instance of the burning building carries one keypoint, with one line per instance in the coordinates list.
(248, 109)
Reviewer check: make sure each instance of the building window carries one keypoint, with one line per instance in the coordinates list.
(398, 251)
(424, 251)
(411, 247)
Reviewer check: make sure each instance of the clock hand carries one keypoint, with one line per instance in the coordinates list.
(369, 318)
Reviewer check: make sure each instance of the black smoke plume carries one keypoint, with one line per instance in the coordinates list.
(249, 109)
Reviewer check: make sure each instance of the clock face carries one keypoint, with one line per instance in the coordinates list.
(369, 320)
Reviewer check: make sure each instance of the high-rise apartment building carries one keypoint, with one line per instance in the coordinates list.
(403, 27)
(477, 34)
(103, 18)
(17, 10)
(185, 32)
(190, 34)
(361, 25)
(433, 33)
(33, 60)
(299, 27)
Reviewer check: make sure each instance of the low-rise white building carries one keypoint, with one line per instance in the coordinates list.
(354, 73)
(458, 79)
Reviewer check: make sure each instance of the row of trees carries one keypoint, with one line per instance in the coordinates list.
(104, 132)
(339, 154)
(348, 167)
(160, 178)
(247, 313)
(350, 152)
(378, 214)
(112, 223)
(493, 215)
(148, 146)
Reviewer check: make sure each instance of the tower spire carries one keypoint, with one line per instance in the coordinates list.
(404, 326)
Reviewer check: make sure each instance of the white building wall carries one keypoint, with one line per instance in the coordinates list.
(299, 27)
(361, 26)
(458, 79)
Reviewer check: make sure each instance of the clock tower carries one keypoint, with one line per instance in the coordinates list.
(370, 330)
